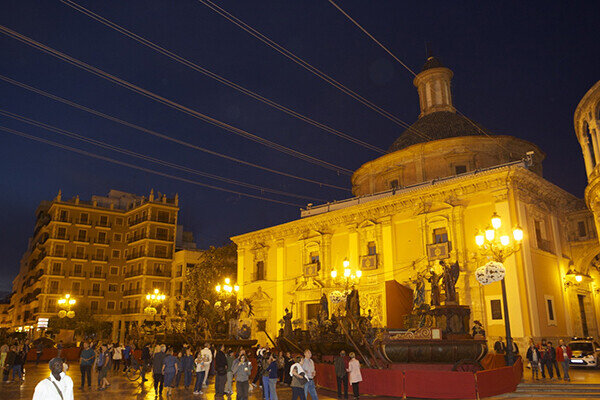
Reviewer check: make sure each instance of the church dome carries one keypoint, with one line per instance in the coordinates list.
(435, 126)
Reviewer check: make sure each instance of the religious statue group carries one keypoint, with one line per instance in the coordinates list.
(446, 279)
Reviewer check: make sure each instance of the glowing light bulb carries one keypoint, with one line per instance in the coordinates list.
(227, 281)
(578, 278)
(479, 239)
(496, 221)
(156, 291)
(346, 263)
(218, 288)
(347, 272)
(236, 288)
(359, 273)
(505, 240)
(518, 234)
(334, 274)
(490, 234)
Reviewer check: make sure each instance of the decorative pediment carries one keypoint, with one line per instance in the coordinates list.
(260, 296)
(307, 283)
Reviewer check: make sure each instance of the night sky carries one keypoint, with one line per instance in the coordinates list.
(520, 69)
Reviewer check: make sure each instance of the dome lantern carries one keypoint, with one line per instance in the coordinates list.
(433, 85)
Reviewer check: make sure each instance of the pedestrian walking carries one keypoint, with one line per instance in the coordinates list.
(241, 369)
(354, 375)
(17, 367)
(102, 365)
(299, 380)
(260, 352)
(126, 357)
(221, 372)
(534, 357)
(563, 356)
(280, 367)
(270, 378)
(553, 364)
(229, 382)
(201, 360)
(86, 362)
(169, 371)
(187, 363)
(157, 369)
(58, 386)
(341, 374)
(39, 350)
(308, 366)
(3, 352)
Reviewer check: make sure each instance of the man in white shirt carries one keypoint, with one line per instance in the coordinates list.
(58, 386)
(207, 357)
(309, 367)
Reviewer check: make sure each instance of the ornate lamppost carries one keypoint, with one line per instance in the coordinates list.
(498, 246)
(65, 303)
(349, 275)
(227, 289)
(154, 299)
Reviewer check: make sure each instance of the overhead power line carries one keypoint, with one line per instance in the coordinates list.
(196, 114)
(309, 67)
(217, 77)
(412, 72)
(148, 158)
(163, 136)
(151, 171)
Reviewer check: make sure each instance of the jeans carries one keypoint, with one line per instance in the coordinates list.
(220, 385)
(159, 380)
(199, 381)
(187, 378)
(355, 389)
(16, 369)
(178, 378)
(547, 365)
(86, 370)
(298, 393)
(342, 382)
(554, 364)
(266, 387)
(273, 388)
(242, 390)
(565, 367)
(229, 383)
(309, 388)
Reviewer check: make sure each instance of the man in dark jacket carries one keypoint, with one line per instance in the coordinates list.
(221, 372)
(553, 363)
(157, 369)
(146, 360)
(341, 373)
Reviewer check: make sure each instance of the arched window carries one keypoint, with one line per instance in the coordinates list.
(588, 136)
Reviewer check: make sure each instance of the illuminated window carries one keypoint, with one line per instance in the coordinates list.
(314, 257)
(372, 248)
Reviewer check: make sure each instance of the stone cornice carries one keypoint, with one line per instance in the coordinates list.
(456, 191)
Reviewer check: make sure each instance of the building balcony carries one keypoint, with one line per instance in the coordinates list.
(149, 254)
(65, 238)
(101, 242)
(163, 238)
(95, 293)
(132, 292)
(130, 274)
(53, 291)
(97, 275)
(81, 239)
(86, 223)
(131, 310)
(99, 224)
(138, 221)
(76, 274)
(55, 272)
(61, 219)
(165, 274)
(79, 256)
(98, 258)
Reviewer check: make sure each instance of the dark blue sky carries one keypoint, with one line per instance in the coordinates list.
(520, 69)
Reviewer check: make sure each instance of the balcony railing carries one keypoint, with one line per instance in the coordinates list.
(97, 275)
(132, 310)
(53, 291)
(136, 272)
(60, 237)
(82, 222)
(159, 273)
(55, 272)
(97, 293)
(103, 225)
(99, 258)
(154, 254)
(164, 238)
(79, 256)
(76, 274)
(131, 292)
(101, 241)
(82, 239)
(137, 221)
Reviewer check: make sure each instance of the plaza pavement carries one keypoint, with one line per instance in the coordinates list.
(121, 388)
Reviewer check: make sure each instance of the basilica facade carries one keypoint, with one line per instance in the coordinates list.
(422, 203)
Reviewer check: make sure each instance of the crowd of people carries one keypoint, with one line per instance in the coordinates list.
(184, 367)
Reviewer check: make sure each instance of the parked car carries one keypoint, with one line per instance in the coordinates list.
(586, 352)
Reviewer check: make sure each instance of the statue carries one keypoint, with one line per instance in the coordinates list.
(450, 278)
(419, 293)
(477, 329)
(287, 323)
(352, 303)
(324, 313)
(434, 280)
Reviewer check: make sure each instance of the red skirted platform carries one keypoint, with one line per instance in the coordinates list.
(424, 381)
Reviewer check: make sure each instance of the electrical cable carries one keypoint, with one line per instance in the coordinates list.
(496, 140)
(160, 135)
(217, 77)
(122, 163)
(196, 114)
(304, 64)
(147, 158)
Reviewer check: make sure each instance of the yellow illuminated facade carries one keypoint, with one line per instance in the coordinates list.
(425, 201)
(107, 254)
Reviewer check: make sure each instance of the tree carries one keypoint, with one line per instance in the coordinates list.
(83, 323)
(216, 264)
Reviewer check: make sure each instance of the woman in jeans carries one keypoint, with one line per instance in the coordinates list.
(354, 375)
(200, 361)
(298, 380)
(241, 369)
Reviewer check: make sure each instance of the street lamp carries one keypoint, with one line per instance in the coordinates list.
(155, 299)
(348, 274)
(66, 303)
(499, 246)
(227, 288)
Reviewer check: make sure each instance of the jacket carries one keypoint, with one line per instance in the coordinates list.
(354, 374)
(560, 356)
(341, 365)
(221, 363)
(530, 351)
(241, 371)
(500, 347)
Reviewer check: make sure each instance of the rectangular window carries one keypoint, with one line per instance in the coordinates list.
(114, 270)
(116, 254)
(550, 311)
(372, 248)
(64, 216)
(99, 254)
(59, 250)
(163, 216)
(440, 235)
(98, 270)
(117, 237)
(53, 287)
(460, 169)
(84, 218)
(81, 235)
(179, 271)
(94, 305)
(75, 287)
(103, 221)
(110, 305)
(314, 257)
(119, 221)
(260, 270)
(56, 268)
(61, 232)
(112, 287)
(581, 229)
(102, 238)
(162, 233)
(496, 307)
(80, 252)
(160, 251)
(78, 268)
(96, 287)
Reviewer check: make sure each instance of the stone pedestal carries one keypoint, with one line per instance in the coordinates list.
(452, 320)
